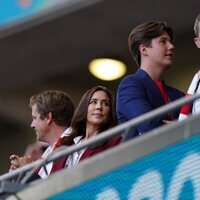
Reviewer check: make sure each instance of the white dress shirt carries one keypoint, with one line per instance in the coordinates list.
(74, 158)
(47, 152)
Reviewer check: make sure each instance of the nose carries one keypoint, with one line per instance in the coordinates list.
(99, 106)
(32, 125)
(171, 46)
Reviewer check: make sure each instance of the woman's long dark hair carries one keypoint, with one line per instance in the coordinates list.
(79, 119)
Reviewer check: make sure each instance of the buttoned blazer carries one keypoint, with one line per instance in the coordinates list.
(138, 94)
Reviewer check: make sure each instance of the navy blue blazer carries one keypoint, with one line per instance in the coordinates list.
(138, 94)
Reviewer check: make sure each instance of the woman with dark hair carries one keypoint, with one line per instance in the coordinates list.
(101, 100)
(94, 114)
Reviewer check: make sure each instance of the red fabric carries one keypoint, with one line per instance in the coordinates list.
(57, 164)
(60, 163)
(37, 170)
(93, 151)
(165, 96)
(58, 144)
(186, 109)
(163, 91)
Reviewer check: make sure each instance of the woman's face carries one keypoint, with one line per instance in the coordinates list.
(98, 109)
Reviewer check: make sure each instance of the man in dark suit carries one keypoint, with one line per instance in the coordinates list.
(151, 46)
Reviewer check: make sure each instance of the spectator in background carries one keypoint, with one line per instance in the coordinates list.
(151, 46)
(52, 111)
(94, 114)
(194, 85)
(35, 150)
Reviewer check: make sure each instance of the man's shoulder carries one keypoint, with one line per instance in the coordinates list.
(67, 132)
(198, 72)
(175, 91)
(129, 77)
(138, 79)
(134, 77)
(128, 81)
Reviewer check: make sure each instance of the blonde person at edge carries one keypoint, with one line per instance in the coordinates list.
(94, 114)
(194, 85)
(52, 112)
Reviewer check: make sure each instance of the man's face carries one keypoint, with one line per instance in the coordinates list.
(160, 52)
(197, 41)
(40, 125)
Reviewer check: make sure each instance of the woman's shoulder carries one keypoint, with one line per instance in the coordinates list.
(114, 141)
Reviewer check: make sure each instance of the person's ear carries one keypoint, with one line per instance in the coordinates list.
(143, 49)
(197, 41)
(49, 118)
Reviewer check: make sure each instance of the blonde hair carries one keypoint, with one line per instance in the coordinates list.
(197, 26)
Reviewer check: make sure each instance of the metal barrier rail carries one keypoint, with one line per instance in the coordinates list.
(99, 138)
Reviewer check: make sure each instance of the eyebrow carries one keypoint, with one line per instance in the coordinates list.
(166, 37)
(100, 100)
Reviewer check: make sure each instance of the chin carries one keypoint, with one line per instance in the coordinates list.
(98, 123)
(167, 66)
(39, 139)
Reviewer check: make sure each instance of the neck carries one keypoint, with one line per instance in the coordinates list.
(153, 72)
(55, 133)
(91, 131)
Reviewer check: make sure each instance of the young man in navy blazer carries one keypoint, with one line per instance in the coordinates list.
(151, 46)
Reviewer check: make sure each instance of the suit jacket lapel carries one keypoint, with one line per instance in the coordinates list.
(151, 87)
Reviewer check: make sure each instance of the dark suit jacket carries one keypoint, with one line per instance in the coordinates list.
(138, 94)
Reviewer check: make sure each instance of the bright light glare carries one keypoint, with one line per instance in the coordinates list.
(107, 69)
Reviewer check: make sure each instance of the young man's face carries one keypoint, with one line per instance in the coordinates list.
(161, 51)
(40, 125)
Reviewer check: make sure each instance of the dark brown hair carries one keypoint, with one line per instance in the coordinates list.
(79, 119)
(144, 33)
(56, 102)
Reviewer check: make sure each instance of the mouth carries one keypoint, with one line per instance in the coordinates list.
(98, 115)
(169, 55)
